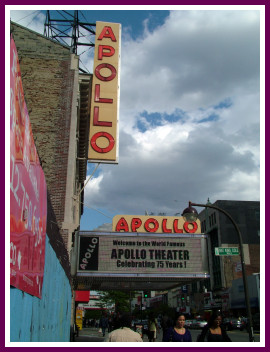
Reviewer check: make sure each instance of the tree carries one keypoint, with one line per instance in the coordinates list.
(119, 299)
(92, 314)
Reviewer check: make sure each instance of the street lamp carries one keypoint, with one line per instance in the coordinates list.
(190, 214)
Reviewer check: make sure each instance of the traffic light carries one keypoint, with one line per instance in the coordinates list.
(146, 294)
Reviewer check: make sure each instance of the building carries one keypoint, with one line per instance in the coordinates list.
(224, 289)
(57, 96)
(225, 269)
(58, 101)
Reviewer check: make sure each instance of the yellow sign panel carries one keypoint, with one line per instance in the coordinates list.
(79, 318)
(103, 135)
(154, 224)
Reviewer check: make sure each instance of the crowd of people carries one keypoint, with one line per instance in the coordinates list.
(120, 329)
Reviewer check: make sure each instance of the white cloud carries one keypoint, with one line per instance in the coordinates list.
(191, 61)
(189, 114)
(191, 64)
(28, 18)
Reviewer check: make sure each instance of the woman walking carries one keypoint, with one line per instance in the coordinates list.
(152, 328)
(213, 331)
(178, 333)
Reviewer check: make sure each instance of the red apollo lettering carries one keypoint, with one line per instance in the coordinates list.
(194, 227)
(151, 221)
(105, 50)
(164, 228)
(96, 121)
(135, 224)
(97, 96)
(122, 225)
(107, 32)
(108, 78)
(175, 227)
(105, 135)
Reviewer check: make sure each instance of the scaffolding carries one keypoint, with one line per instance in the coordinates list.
(67, 29)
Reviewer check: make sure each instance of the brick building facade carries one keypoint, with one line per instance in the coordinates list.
(58, 99)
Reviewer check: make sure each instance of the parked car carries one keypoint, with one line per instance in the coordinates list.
(255, 322)
(140, 326)
(201, 323)
(188, 323)
(232, 323)
(193, 324)
(198, 323)
(145, 327)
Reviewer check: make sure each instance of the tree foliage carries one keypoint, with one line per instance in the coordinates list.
(119, 299)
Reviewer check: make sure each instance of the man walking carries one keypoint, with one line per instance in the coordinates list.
(103, 324)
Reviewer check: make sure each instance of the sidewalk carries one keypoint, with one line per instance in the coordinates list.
(89, 335)
(92, 335)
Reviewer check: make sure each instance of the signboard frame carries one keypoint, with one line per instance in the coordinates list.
(161, 274)
(104, 117)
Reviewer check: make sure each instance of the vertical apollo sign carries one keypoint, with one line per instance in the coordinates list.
(28, 193)
(103, 135)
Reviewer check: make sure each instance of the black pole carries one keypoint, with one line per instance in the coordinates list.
(250, 323)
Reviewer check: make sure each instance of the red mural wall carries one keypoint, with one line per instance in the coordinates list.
(28, 193)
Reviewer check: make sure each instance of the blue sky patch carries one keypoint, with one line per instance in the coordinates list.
(212, 117)
(147, 121)
(225, 104)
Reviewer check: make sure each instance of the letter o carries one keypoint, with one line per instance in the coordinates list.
(102, 78)
(127, 254)
(94, 240)
(143, 253)
(148, 228)
(102, 134)
(187, 229)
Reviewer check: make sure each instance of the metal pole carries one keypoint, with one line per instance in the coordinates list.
(141, 305)
(250, 323)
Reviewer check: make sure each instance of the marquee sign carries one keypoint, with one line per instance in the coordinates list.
(103, 134)
(137, 254)
(154, 224)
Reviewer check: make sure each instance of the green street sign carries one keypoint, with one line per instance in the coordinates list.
(226, 251)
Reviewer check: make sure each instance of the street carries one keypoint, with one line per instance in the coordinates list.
(92, 335)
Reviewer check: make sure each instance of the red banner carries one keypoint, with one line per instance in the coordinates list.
(28, 193)
(82, 296)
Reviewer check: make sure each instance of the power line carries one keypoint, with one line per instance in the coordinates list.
(110, 217)
(30, 14)
(32, 19)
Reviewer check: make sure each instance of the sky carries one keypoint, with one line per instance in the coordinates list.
(191, 123)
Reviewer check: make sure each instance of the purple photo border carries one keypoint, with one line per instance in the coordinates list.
(138, 2)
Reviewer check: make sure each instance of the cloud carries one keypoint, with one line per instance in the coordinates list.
(189, 114)
(191, 61)
(33, 20)
(202, 69)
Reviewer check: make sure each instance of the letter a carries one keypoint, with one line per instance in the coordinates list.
(122, 225)
(107, 32)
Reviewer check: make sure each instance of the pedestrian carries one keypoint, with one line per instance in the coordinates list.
(116, 321)
(124, 333)
(178, 333)
(110, 324)
(166, 323)
(103, 324)
(213, 331)
(152, 328)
